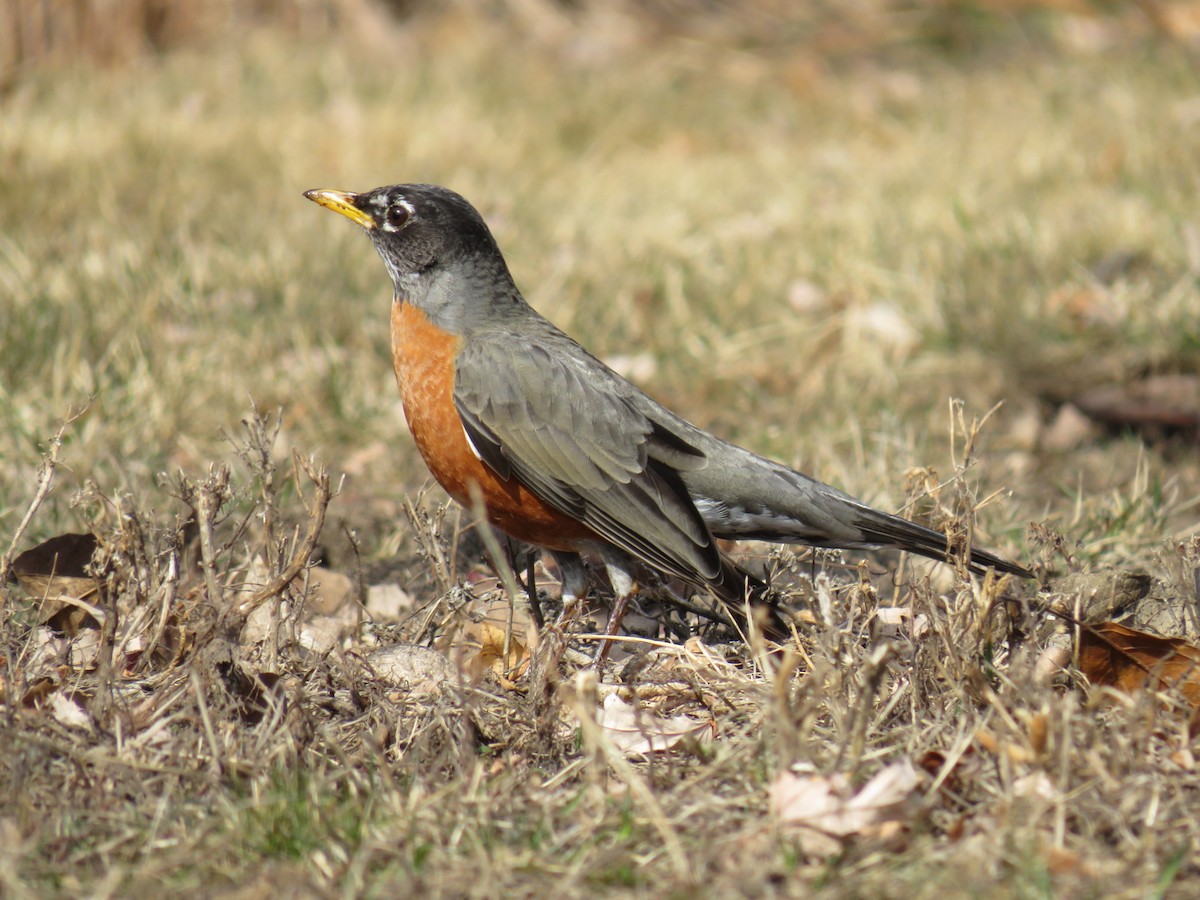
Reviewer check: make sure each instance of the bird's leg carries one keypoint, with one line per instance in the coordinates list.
(530, 585)
(535, 603)
(574, 576)
(620, 575)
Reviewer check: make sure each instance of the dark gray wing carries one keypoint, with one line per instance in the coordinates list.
(544, 412)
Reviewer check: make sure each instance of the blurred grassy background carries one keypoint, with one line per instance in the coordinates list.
(806, 226)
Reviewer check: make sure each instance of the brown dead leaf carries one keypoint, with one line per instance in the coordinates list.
(1120, 657)
(61, 560)
(827, 811)
(637, 731)
(484, 643)
(55, 572)
(37, 692)
(480, 644)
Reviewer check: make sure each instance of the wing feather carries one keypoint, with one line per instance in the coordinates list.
(560, 423)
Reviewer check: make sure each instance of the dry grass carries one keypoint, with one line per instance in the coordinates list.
(809, 257)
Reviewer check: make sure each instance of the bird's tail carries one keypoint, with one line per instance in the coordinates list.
(737, 587)
(883, 528)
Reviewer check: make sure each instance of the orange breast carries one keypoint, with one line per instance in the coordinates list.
(424, 356)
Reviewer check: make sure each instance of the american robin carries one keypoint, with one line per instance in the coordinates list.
(562, 451)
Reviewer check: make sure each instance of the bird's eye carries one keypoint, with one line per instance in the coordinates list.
(398, 214)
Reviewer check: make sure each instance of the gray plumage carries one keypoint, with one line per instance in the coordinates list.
(539, 408)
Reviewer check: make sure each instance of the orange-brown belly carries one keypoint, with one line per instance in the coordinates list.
(423, 357)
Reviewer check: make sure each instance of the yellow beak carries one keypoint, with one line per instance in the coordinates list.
(342, 202)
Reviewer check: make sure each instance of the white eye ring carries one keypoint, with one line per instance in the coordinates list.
(398, 215)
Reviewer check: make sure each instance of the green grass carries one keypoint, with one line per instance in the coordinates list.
(731, 221)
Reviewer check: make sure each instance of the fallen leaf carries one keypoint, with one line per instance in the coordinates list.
(480, 644)
(826, 811)
(898, 621)
(811, 803)
(889, 791)
(43, 688)
(68, 712)
(56, 572)
(62, 560)
(1120, 657)
(637, 731)
(84, 649)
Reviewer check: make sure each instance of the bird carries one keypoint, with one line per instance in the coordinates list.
(510, 412)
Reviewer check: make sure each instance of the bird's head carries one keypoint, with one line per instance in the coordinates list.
(420, 230)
